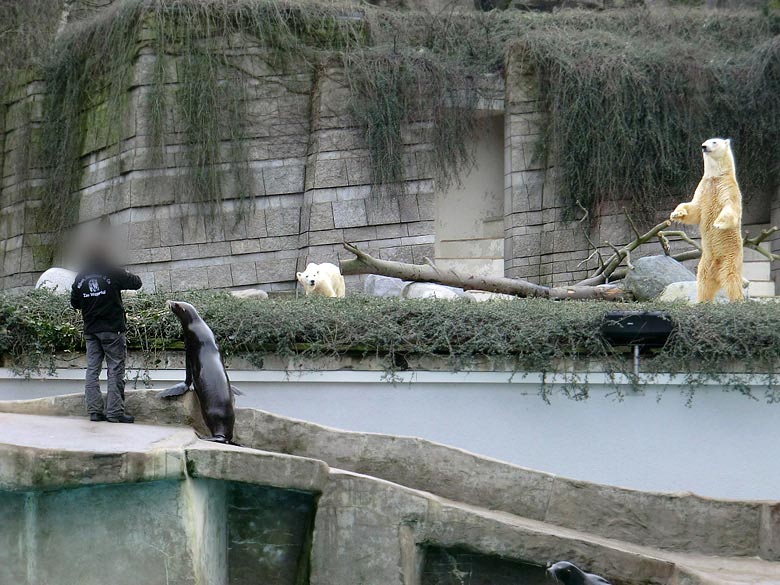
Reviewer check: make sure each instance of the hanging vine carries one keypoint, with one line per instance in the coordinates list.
(628, 92)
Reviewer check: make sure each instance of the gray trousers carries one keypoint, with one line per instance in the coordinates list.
(111, 346)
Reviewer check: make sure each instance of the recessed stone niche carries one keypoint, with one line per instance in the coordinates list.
(461, 567)
(269, 535)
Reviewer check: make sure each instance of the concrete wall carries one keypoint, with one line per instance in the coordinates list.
(309, 177)
(384, 498)
(198, 531)
(708, 447)
(540, 245)
(144, 538)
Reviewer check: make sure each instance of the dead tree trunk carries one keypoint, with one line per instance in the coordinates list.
(596, 286)
(364, 263)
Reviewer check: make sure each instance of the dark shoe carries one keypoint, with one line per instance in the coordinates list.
(122, 418)
(97, 417)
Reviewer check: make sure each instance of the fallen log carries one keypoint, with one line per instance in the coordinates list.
(364, 263)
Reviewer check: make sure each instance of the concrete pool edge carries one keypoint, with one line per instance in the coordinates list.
(678, 521)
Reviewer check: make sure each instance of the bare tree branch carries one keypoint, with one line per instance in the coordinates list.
(364, 263)
(594, 287)
(603, 275)
(680, 234)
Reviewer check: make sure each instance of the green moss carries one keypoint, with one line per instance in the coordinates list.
(535, 335)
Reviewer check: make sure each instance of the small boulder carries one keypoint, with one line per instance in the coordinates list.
(383, 286)
(429, 290)
(482, 296)
(688, 291)
(250, 293)
(59, 280)
(652, 274)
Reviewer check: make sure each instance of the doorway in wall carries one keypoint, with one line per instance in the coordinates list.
(469, 221)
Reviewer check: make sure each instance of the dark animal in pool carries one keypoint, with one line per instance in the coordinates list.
(569, 574)
(205, 375)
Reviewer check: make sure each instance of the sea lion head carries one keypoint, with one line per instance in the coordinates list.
(185, 312)
(566, 573)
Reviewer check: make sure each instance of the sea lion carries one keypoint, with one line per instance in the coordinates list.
(205, 374)
(570, 574)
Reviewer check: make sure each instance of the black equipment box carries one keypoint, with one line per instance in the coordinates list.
(645, 328)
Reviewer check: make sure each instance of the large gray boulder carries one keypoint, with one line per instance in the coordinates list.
(685, 291)
(652, 274)
(688, 291)
(481, 296)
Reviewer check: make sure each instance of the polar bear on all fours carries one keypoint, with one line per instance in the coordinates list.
(322, 279)
(716, 208)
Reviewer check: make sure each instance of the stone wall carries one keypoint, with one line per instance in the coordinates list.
(310, 182)
(309, 176)
(541, 245)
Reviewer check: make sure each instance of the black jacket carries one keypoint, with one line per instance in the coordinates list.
(97, 292)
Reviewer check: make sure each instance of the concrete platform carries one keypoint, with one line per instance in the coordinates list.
(245, 515)
(79, 434)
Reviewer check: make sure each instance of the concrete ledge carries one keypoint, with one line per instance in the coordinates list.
(256, 467)
(391, 526)
(683, 521)
(42, 453)
(677, 522)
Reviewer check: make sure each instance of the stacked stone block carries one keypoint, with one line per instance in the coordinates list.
(22, 237)
(340, 204)
(309, 177)
(309, 182)
(541, 244)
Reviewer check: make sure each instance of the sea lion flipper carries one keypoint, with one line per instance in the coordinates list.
(176, 390)
(236, 391)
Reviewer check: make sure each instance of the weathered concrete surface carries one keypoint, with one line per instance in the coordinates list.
(200, 513)
(39, 452)
(270, 535)
(124, 534)
(376, 532)
(83, 502)
(682, 522)
(448, 567)
(229, 463)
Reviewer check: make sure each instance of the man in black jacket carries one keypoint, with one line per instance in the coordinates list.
(97, 291)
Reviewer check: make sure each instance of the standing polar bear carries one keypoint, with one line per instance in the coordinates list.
(717, 209)
(322, 279)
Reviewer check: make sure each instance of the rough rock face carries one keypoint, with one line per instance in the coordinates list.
(550, 5)
(482, 296)
(385, 286)
(652, 274)
(387, 509)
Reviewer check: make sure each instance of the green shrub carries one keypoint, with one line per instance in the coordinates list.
(710, 342)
